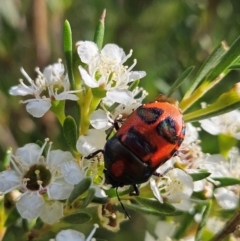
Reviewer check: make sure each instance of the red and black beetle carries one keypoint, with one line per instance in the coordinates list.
(148, 138)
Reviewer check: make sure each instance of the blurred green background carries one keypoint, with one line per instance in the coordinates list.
(166, 36)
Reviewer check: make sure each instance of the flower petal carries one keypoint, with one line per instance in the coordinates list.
(99, 120)
(38, 107)
(66, 96)
(87, 50)
(94, 140)
(21, 90)
(59, 189)
(71, 172)
(29, 153)
(87, 79)
(70, 235)
(30, 205)
(227, 199)
(135, 75)
(59, 157)
(8, 180)
(155, 190)
(113, 53)
(52, 212)
(119, 96)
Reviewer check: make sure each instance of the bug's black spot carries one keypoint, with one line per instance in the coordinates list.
(149, 115)
(167, 130)
(138, 143)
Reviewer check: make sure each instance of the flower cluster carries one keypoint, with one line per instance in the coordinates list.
(58, 185)
(49, 86)
(42, 180)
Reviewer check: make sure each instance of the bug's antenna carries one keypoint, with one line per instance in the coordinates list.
(124, 209)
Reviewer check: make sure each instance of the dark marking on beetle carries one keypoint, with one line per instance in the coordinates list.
(138, 143)
(149, 115)
(167, 130)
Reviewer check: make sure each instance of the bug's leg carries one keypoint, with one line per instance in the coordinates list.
(115, 126)
(124, 209)
(94, 154)
(136, 190)
(162, 174)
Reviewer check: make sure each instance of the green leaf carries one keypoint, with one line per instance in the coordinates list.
(226, 102)
(67, 46)
(89, 198)
(39, 224)
(79, 189)
(70, 132)
(77, 218)
(99, 32)
(226, 181)
(202, 224)
(234, 66)
(226, 60)
(199, 176)
(220, 69)
(180, 80)
(182, 229)
(12, 217)
(146, 210)
(155, 205)
(4, 163)
(58, 108)
(207, 66)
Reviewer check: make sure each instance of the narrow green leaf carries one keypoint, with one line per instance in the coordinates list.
(5, 160)
(89, 198)
(58, 107)
(226, 181)
(99, 32)
(155, 205)
(67, 46)
(146, 210)
(227, 59)
(226, 102)
(182, 229)
(220, 70)
(70, 132)
(134, 85)
(234, 66)
(77, 218)
(202, 224)
(180, 80)
(79, 189)
(207, 66)
(199, 176)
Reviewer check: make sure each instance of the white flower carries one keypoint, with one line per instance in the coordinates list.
(102, 119)
(106, 70)
(73, 235)
(228, 124)
(49, 86)
(163, 230)
(33, 174)
(174, 187)
(92, 141)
